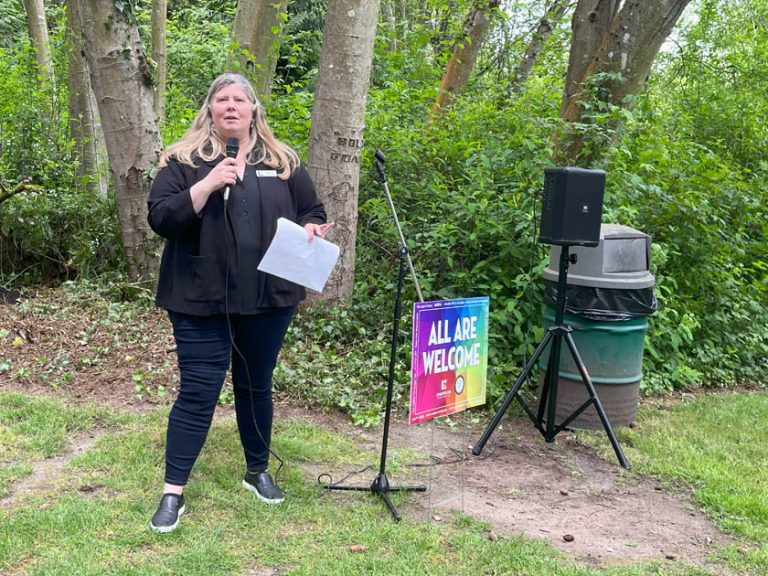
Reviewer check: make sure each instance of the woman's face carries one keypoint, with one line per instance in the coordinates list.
(231, 112)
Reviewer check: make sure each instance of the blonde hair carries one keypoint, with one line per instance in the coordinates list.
(202, 141)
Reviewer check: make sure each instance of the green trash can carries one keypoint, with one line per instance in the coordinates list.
(609, 298)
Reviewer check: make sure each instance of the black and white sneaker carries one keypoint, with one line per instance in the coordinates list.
(168, 513)
(260, 483)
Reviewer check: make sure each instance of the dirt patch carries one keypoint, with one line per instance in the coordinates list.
(560, 492)
(46, 472)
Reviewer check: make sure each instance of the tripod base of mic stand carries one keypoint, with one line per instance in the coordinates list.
(381, 487)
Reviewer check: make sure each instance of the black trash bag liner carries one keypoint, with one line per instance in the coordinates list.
(604, 304)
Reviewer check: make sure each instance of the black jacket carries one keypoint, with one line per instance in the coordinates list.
(198, 249)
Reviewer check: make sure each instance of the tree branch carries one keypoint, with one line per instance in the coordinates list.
(6, 194)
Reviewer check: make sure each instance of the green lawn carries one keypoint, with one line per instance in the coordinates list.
(94, 518)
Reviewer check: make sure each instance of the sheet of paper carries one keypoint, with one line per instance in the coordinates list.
(291, 257)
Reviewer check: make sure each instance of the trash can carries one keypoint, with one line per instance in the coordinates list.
(609, 298)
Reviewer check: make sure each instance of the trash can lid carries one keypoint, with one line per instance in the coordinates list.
(622, 259)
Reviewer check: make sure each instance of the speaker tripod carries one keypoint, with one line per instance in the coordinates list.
(548, 400)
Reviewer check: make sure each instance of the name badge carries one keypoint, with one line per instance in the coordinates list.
(266, 173)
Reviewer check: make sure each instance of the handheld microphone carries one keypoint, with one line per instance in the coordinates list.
(233, 146)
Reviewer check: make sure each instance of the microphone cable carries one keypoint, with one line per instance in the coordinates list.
(242, 357)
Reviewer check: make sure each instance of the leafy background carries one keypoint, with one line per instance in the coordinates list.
(688, 168)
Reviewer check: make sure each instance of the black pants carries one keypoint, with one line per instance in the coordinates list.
(204, 350)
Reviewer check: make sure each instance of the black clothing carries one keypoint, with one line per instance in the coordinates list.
(204, 352)
(199, 249)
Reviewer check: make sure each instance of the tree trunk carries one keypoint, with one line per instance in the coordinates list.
(159, 13)
(388, 15)
(623, 57)
(123, 88)
(242, 34)
(590, 22)
(84, 124)
(38, 33)
(540, 36)
(465, 52)
(266, 43)
(338, 122)
(257, 30)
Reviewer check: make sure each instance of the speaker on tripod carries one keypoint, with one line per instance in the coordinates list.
(571, 214)
(572, 206)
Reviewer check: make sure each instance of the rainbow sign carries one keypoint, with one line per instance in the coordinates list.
(449, 361)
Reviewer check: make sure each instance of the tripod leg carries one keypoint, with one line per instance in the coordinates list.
(548, 399)
(511, 394)
(392, 509)
(598, 405)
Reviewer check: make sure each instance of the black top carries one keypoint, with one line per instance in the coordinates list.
(198, 248)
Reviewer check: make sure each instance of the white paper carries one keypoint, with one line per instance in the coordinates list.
(291, 257)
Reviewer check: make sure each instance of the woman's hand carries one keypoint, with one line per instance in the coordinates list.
(317, 230)
(223, 174)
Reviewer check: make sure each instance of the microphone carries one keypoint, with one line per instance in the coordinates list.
(233, 146)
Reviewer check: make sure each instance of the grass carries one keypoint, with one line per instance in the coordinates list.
(717, 445)
(95, 520)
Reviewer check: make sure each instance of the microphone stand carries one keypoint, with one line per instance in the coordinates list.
(380, 159)
(380, 485)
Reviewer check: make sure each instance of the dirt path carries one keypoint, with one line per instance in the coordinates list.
(560, 492)
(45, 473)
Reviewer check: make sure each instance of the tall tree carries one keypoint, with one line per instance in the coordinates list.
(613, 47)
(84, 123)
(465, 51)
(388, 16)
(38, 33)
(123, 87)
(338, 123)
(257, 30)
(159, 14)
(242, 33)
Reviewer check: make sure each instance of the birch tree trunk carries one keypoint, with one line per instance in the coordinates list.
(84, 123)
(159, 14)
(123, 88)
(338, 122)
(623, 49)
(465, 51)
(38, 33)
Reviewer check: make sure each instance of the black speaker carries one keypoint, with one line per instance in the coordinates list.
(572, 206)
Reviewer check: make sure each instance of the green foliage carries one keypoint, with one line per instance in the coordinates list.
(686, 165)
(12, 22)
(301, 44)
(197, 38)
(690, 171)
(62, 231)
(340, 359)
